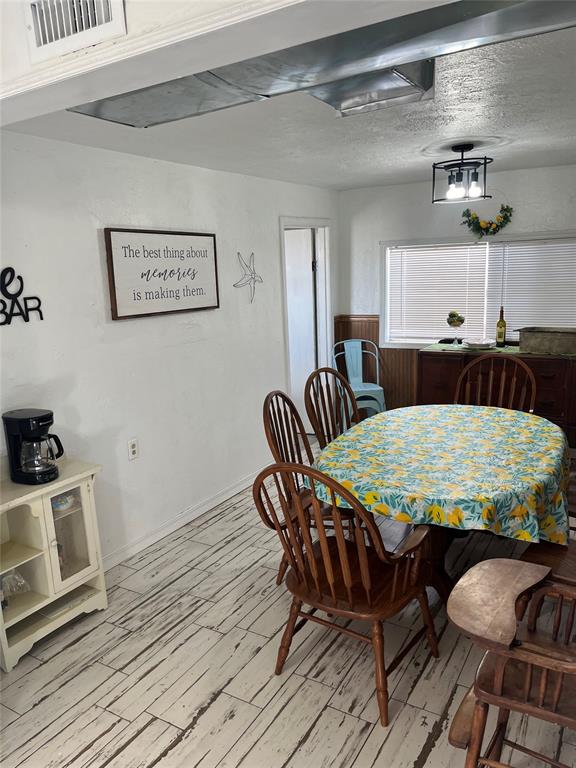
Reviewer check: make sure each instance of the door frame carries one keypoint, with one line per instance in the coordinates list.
(298, 222)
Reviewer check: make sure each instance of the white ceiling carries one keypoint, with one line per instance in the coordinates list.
(523, 92)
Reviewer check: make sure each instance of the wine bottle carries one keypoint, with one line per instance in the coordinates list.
(501, 330)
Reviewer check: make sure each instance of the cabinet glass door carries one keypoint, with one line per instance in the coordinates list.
(71, 544)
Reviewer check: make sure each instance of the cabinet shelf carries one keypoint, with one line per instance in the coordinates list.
(58, 515)
(55, 613)
(20, 606)
(13, 554)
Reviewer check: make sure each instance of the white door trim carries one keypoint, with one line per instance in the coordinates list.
(296, 222)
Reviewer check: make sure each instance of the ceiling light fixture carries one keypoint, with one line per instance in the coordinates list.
(466, 177)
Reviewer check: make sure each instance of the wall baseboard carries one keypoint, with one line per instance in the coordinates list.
(190, 513)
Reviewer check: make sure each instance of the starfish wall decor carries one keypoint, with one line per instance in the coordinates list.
(249, 277)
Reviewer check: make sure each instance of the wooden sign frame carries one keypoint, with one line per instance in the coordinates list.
(180, 267)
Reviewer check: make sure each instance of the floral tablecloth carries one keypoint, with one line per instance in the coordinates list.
(460, 466)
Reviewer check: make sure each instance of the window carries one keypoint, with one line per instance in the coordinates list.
(534, 280)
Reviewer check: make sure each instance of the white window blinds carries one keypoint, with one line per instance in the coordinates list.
(424, 283)
(534, 280)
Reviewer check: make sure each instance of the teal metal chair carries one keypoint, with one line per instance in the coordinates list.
(369, 395)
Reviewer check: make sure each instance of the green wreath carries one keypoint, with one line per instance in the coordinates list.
(483, 227)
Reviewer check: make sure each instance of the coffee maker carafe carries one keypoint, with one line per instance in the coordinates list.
(31, 448)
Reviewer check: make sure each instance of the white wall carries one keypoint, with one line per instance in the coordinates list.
(544, 199)
(190, 386)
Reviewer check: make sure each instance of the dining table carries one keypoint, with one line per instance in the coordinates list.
(458, 468)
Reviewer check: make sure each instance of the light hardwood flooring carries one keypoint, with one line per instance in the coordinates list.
(178, 672)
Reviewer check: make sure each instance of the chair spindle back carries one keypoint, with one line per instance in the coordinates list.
(318, 544)
(330, 404)
(502, 381)
(550, 636)
(285, 431)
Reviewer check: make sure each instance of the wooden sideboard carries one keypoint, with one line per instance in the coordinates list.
(429, 376)
(438, 371)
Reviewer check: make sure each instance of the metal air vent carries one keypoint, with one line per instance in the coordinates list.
(56, 27)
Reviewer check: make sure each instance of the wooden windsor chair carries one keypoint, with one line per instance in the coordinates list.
(350, 578)
(526, 624)
(288, 443)
(502, 381)
(285, 431)
(330, 404)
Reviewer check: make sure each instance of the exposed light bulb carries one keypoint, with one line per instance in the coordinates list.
(459, 189)
(475, 190)
(452, 193)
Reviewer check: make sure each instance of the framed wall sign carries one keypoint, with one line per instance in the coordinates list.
(153, 272)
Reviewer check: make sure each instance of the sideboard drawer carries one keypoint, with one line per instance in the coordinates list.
(437, 377)
(550, 403)
(550, 373)
(551, 376)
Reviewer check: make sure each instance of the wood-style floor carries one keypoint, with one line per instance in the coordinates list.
(179, 671)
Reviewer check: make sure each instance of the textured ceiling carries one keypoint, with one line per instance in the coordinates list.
(523, 92)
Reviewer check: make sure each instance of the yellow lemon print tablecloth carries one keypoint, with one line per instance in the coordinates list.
(460, 466)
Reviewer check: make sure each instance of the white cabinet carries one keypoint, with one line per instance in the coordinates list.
(49, 535)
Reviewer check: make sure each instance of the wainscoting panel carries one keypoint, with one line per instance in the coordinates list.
(399, 376)
(357, 327)
(398, 367)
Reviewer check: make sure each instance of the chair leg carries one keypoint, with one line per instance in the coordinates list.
(496, 751)
(282, 570)
(477, 735)
(381, 680)
(288, 634)
(437, 544)
(429, 623)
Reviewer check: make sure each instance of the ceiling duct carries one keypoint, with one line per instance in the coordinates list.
(375, 90)
(364, 69)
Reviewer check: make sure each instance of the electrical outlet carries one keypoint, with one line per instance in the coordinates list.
(133, 449)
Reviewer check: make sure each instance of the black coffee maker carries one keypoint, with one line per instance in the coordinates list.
(30, 446)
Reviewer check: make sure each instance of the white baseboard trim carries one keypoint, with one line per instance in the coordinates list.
(190, 513)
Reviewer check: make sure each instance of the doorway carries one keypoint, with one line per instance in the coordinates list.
(305, 250)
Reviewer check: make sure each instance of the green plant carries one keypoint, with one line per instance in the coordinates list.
(455, 319)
